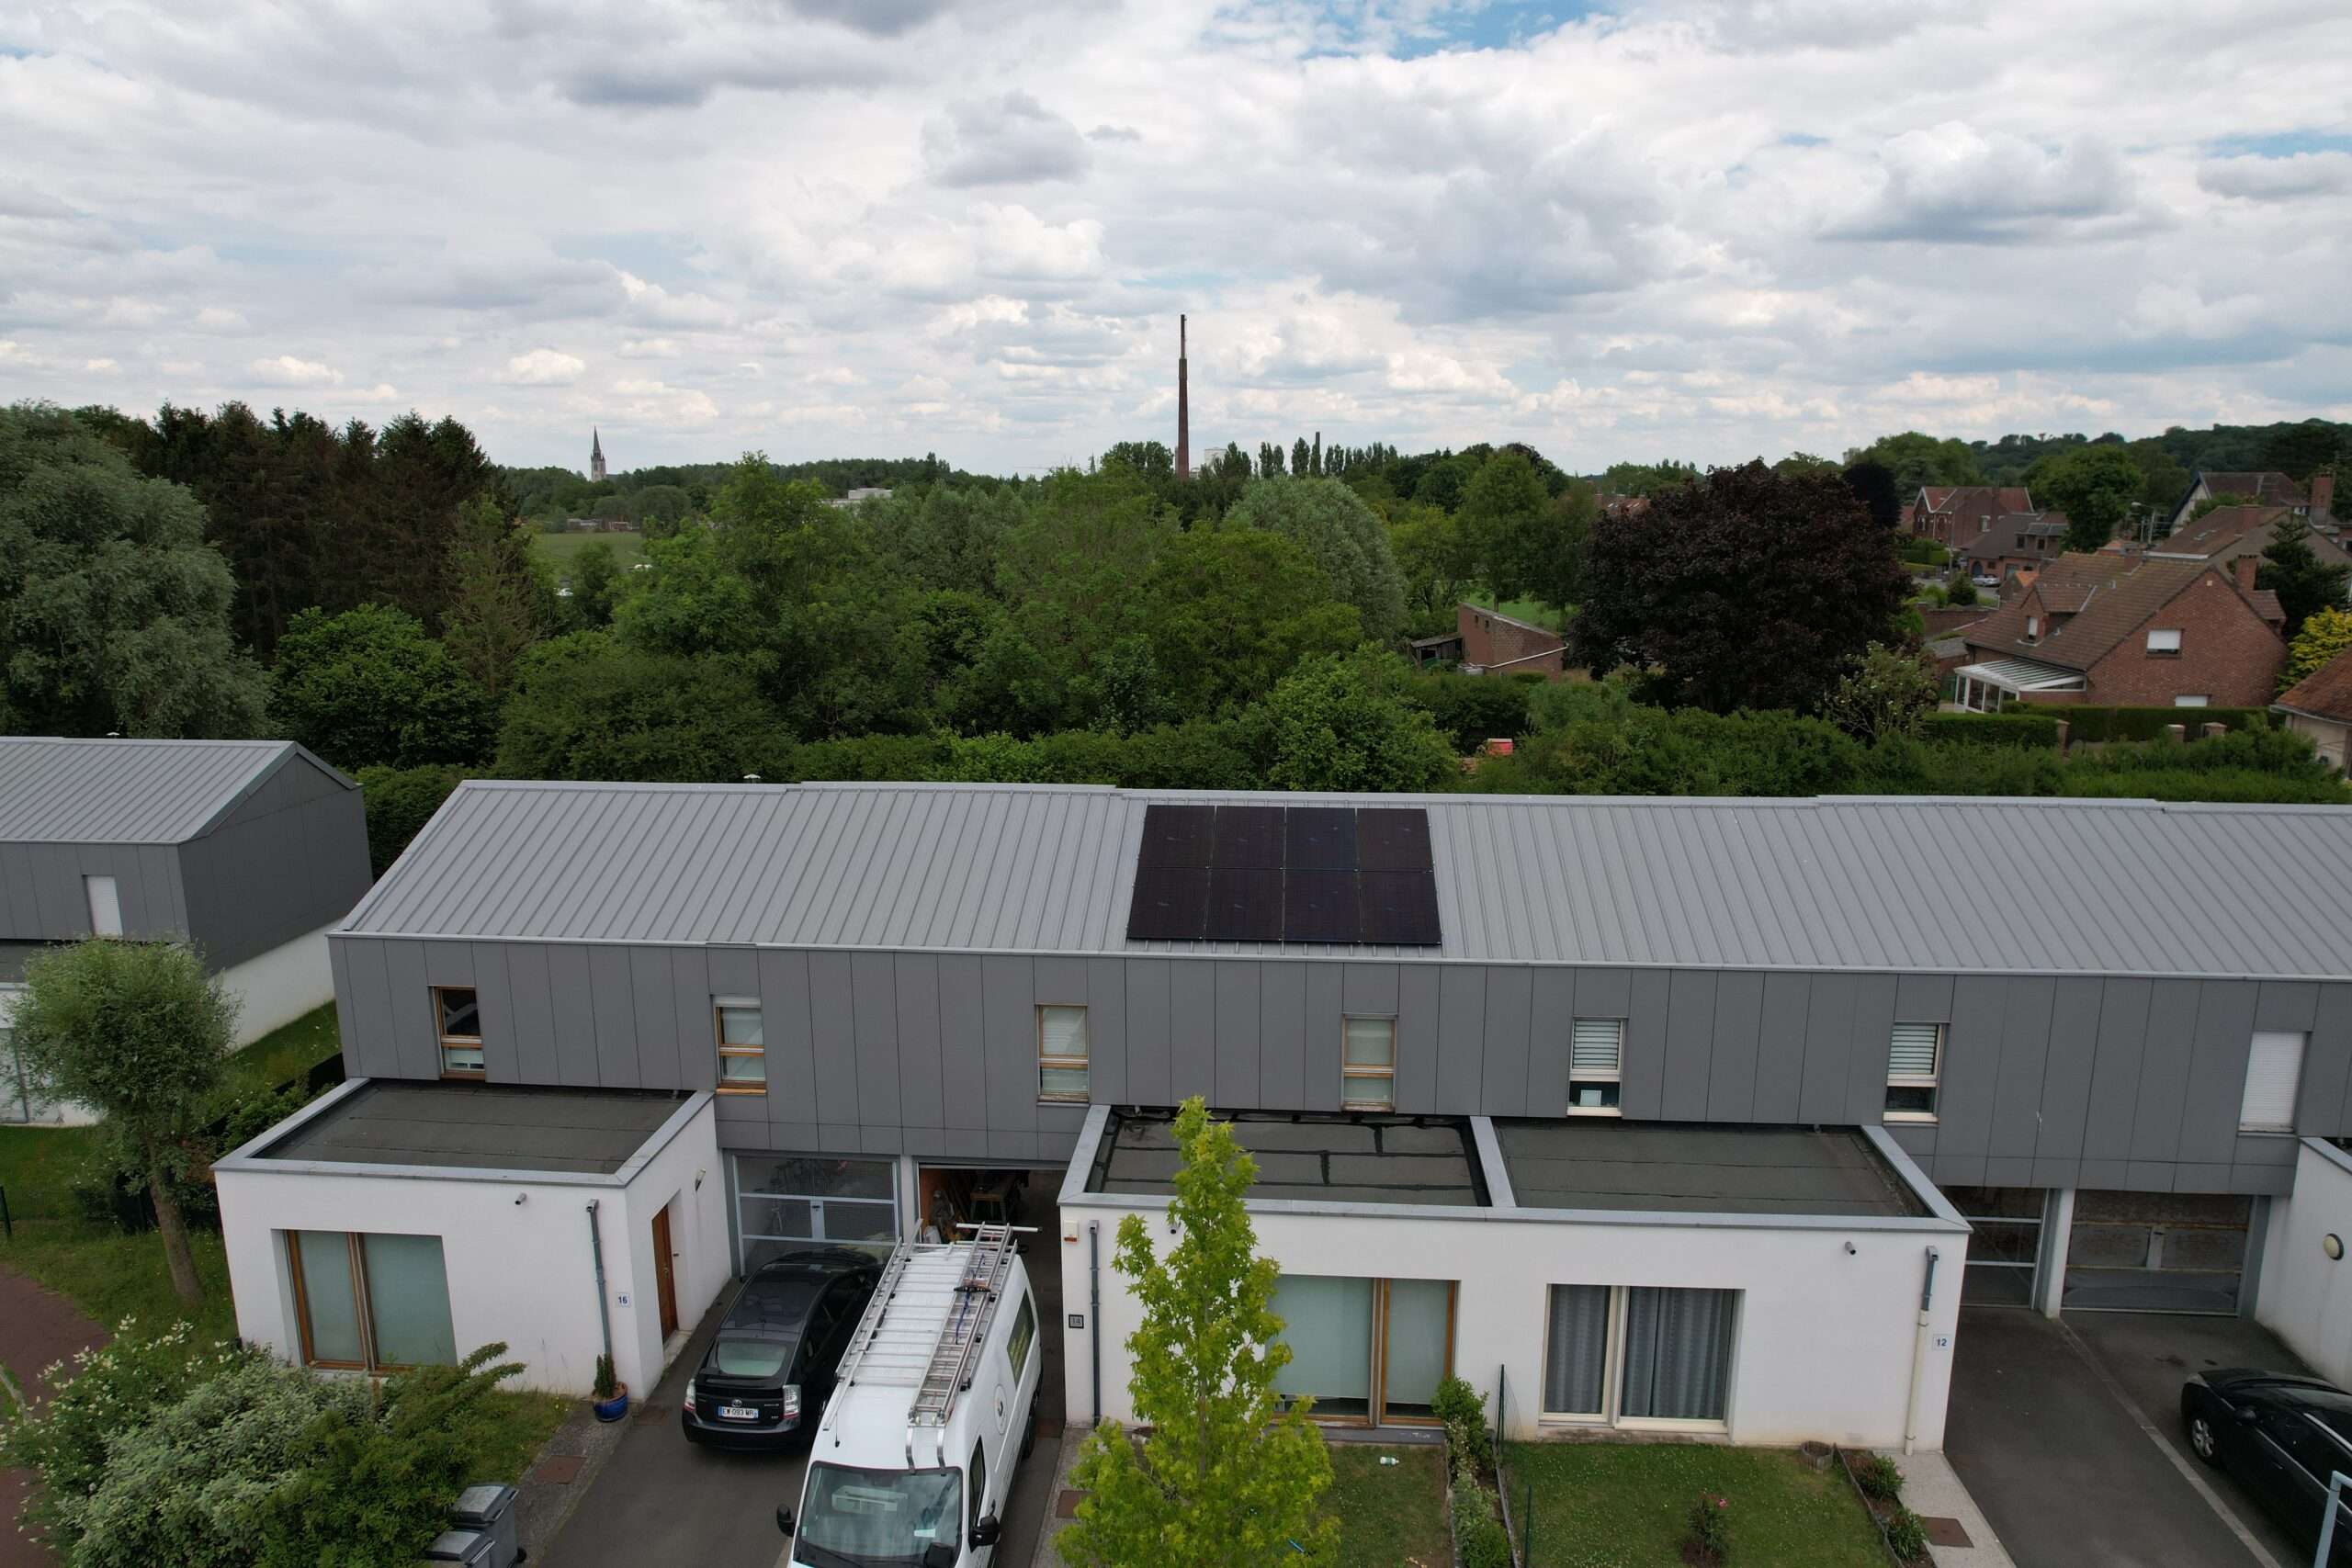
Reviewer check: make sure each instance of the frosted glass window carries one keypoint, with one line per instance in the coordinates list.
(1419, 1313)
(1576, 1351)
(330, 1303)
(1326, 1322)
(1678, 1353)
(1061, 1053)
(2163, 639)
(408, 1301)
(742, 1048)
(106, 906)
(2274, 1072)
(1368, 1063)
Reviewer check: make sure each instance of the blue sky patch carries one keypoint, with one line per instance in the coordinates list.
(2283, 144)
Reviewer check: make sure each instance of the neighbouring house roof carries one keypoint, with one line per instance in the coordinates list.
(2271, 489)
(1665, 1167)
(1306, 1158)
(2325, 693)
(1816, 883)
(2009, 534)
(584, 1131)
(2023, 675)
(2228, 532)
(112, 791)
(2103, 599)
(1982, 503)
(1545, 632)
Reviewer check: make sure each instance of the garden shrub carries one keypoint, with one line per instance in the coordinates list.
(1482, 1539)
(2150, 723)
(1879, 1477)
(2014, 728)
(1710, 1525)
(111, 1389)
(1907, 1533)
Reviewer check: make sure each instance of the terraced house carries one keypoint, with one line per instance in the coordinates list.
(1662, 1114)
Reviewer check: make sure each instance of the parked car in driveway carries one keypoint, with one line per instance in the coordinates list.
(770, 1370)
(2281, 1436)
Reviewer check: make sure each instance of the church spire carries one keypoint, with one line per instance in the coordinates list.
(595, 454)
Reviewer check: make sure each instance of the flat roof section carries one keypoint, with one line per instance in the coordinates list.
(1685, 1168)
(587, 1131)
(1303, 1157)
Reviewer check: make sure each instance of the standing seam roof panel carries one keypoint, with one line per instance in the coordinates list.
(116, 791)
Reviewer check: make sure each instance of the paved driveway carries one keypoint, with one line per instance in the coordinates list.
(2068, 1439)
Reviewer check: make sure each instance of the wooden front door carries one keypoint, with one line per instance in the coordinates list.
(665, 1286)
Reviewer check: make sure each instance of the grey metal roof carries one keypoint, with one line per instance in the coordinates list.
(2121, 886)
(1660, 1166)
(1309, 1157)
(126, 791)
(587, 1131)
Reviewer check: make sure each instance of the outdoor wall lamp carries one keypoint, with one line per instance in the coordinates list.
(2332, 1245)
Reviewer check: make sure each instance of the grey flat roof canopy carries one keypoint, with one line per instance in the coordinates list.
(1305, 1157)
(588, 1132)
(1593, 1163)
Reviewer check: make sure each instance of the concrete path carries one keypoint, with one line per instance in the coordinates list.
(1931, 1488)
(38, 1328)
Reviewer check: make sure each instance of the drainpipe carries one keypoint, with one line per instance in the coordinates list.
(1095, 1312)
(596, 1247)
(1918, 1350)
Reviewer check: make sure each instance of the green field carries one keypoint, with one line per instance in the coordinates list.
(1391, 1515)
(1600, 1505)
(559, 548)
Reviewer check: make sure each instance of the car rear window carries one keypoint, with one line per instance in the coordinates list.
(747, 1358)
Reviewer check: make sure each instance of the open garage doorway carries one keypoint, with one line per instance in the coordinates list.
(948, 1193)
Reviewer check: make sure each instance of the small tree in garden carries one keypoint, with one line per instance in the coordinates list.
(2325, 634)
(1886, 692)
(136, 1030)
(1228, 1475)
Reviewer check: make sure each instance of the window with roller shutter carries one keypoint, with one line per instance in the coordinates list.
(1914, 1058)
(1596, 1064)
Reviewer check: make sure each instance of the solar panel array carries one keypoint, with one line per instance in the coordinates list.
(1323, 874)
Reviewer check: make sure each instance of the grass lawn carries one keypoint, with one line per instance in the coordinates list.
(1390, 1516)
(1532, 611)
(112, 1277)
(1623, 1506)
(287, 1051)
(37, 1165)
(559, 548)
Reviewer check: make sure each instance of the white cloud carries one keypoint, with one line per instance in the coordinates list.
(285, 370)
(100, 367)
(651, 348)
(2278, 179)
(220, 319)
(1012, 140)
(543, 368)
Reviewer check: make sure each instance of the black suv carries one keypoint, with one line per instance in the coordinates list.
(2282, 1436)
(770, 1368)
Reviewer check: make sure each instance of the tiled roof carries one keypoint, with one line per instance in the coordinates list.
(2227, 532)
(1981, 503)
(2009, 531)
(2271, 489)
(2105, 598)
(2325, 693)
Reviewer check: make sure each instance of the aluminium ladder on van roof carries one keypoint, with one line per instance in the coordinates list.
(930, 1315)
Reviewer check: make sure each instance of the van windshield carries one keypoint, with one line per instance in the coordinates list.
(879, 1518)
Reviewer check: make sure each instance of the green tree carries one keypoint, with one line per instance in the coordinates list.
(1346, 538)
(1961, 592)
(400, 802)
(950, 537)
(1301, 460)
(1647, 478)
(2304, 448)
(493, 613)
(1917, 459)
(2303, 582)
(1351, 724)
(585, 707)
(136, 1030)
(1443, 482)
(1230, 611)
(2094, 486)
(1751, 590)
(660, 508)
(1887, 692)
(114, 612)
(1435, 558)
(2326, 634)
(1803, 462)
(1501, 512)
(596, 584)
(1229, 1474)
(369, 686)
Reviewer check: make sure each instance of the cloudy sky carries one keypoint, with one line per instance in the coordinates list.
(1704, 228)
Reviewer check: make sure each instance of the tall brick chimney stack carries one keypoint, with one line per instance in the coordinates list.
(2323, 493)
(1183, 410)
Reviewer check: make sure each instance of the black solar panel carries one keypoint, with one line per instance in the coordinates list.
(1247, 838)
(1244, 905)
(1393, 838)
(1320, 838)
(1172, 904)
(1176, 835)
(1398, 907)
(1319, 905)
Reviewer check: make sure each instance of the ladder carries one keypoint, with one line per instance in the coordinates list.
(987, 1261)
(923, 1329)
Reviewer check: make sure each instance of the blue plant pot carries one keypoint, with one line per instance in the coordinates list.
(615, 1408)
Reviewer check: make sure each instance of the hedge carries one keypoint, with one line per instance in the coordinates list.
(1925, 552)
(2148, 724)
(2026, 730)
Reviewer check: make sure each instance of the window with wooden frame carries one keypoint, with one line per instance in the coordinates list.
(1061, 1054)
(1643, 1357)
(456, 1013)
(1596, 1064)
(370, 1302)
(1914, 1060)
(1368, 1064)
(742, 1046)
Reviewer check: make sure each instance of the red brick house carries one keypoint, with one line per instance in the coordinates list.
(2129, 631)
(2320, 706)
(2019, 540)
(2315, 501)
(1494, 643)
(1953, 516)
(2226, 533)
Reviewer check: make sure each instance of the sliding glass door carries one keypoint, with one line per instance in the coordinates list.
(1371, 1351)
(1639, 1355)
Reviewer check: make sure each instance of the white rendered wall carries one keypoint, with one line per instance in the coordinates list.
(274, 988)
(1824, 1337)
(2306, 1296)
(520, 1272)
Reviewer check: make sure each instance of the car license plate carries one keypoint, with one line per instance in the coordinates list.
(739, 1413)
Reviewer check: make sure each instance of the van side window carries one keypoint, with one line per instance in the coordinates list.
(1024, 1334)
(979, 1480)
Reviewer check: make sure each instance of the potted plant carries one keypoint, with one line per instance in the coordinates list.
(612, 1394)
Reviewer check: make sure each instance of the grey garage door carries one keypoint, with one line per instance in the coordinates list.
(2158, 1252)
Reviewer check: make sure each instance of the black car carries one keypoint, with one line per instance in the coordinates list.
(768, 1373)
(2282, 1436)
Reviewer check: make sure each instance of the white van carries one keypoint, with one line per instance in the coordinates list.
(935, 1404)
